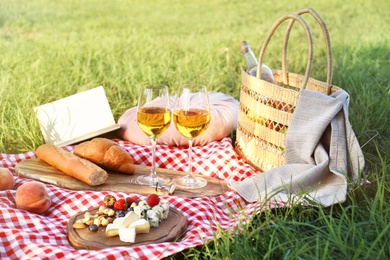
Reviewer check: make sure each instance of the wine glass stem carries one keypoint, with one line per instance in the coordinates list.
(153, 174)
(189, 173)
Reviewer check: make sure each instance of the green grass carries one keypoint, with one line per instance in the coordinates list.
(52, 49)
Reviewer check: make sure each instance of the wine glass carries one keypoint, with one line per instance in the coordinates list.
(153, 117)
(191, 116)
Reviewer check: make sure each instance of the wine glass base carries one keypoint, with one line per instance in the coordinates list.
(190, 182)
(148, 180)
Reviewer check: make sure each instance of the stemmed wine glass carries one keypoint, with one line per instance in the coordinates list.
(153, 117)
(191, 116)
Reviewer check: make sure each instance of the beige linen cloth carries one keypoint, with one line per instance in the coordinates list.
(322, 155)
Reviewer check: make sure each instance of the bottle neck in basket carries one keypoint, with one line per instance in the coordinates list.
(249, 57)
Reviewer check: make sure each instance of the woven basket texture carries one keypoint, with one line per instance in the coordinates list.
(266, 108)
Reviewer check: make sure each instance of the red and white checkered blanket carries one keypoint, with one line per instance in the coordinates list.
(24, 235)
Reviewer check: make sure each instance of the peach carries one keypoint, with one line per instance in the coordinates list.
(33, 197)
(7, 180)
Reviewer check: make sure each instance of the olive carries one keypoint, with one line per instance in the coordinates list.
(93, 228)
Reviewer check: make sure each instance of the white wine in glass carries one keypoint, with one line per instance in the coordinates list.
(154, 118)
(191, 117)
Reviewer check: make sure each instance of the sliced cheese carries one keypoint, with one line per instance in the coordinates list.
(112, 230)
(127, 220)
(141, 226)
(118, 221)
(127, 235)
(130, 218)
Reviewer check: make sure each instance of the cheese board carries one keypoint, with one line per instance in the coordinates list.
(39, 170)
(170, 229)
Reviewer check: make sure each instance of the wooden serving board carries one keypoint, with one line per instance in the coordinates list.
(170, 229)
(39, 170)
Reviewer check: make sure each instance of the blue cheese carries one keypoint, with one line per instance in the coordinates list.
(165, 212)
(158, 210)
(143, 203)
(141, 210)
(153, 221)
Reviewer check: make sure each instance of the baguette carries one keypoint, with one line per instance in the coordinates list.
(107, 154)
(72, 165)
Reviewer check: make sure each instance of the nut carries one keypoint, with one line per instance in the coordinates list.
(96, 221)
(101, 208)
(104, 222)
(111, 212)
(89, 222)
(79, 225)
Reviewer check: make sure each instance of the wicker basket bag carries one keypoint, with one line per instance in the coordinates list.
(266, 108)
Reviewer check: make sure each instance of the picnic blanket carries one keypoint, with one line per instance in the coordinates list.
(322, 155)
(320, 158)
(24, 235)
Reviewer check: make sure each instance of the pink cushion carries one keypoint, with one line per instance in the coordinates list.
(223, 112)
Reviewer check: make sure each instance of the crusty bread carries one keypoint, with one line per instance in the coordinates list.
(107, 154)
(72, 165)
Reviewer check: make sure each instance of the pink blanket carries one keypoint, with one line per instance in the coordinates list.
(24, 235)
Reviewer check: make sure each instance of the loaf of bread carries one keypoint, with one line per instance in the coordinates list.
(72, 165)
(107, 154)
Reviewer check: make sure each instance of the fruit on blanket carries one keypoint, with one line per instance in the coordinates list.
(120, 204)
(153, 200)
(93, 228)
(33, 197)
(109, 201)
(129, 201)
(7, 180)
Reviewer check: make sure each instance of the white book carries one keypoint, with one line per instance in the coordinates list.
(76, 118)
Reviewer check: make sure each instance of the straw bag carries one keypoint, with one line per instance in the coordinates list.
(266, 108)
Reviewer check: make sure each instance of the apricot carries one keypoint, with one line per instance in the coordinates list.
(33, 197)
(7, 180)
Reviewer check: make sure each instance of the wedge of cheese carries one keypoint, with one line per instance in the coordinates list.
(141, 226)
(127, 235)
(127, 220)
(112, 230)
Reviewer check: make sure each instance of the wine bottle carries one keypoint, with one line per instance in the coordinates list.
(252, 64)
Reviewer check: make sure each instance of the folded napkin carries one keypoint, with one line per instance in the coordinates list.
(322, 155)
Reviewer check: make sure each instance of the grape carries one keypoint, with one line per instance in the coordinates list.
(120, 214)
(93, 228)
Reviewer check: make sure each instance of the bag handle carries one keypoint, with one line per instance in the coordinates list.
(293, 17)
(325, 32)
